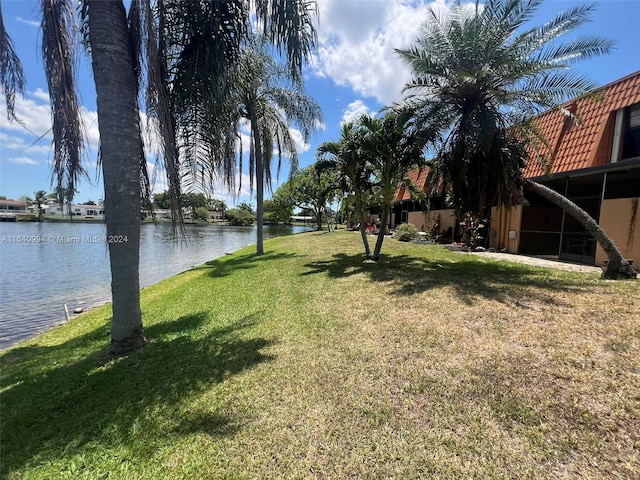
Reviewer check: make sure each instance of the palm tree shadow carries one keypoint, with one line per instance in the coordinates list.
(51, 413)
(225, 266)
(469, 278)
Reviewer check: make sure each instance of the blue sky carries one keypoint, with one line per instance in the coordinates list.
(355, 71)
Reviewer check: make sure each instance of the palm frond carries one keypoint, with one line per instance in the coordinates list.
(290, 25)
(59, 42)
(564, 22)
(574, 50)
(11, 73)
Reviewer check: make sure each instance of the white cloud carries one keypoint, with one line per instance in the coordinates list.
(24, 161)
(92, 134)
(358, 39)
(354, 110)
(31, 23)
(34, 117)
(301, 145)
(41, 95)
(33, 129)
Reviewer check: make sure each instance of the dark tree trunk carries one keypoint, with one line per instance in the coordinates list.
(363, 228)
(617, 267)
(121, 147)
(383, 230)
(259, 187)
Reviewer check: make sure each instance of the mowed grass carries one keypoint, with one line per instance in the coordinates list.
(309, 363)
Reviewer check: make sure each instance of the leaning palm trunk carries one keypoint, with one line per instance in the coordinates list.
(381, 233)
(121, 148)
(617, 267)
(363, 228)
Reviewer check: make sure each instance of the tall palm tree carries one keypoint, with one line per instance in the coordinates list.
(347, 158)
(40, 200)
(194, 51)
(122, 154)
(177, 44)
(270, 100)
(480, 75)
(392, 148)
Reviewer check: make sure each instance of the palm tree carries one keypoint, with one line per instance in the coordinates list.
(122, 155)
(392, 149)
(480, 76)
(270, 100)
(346, 158)
(179, 44)
(194, 51)
(40, 200)
(218, 206)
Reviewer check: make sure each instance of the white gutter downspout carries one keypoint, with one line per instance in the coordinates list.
(617, 136)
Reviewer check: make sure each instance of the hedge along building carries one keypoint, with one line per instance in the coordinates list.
(595, 162)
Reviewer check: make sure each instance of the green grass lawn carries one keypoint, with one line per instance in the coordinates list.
(309, 363)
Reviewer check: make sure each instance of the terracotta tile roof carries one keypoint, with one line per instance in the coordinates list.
(587, 143)
(419, 178)
(576, 146)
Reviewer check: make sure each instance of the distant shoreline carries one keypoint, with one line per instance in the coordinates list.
(66, 219)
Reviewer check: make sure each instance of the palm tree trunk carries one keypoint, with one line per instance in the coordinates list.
(617, 267)
(121, 147)
(383, 230)
(259, 187)
(363, 228)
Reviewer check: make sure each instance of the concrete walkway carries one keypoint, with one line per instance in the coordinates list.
(540, 262)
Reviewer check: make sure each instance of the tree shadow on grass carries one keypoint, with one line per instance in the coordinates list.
(50, 414)
(225, 266)
(469, 277)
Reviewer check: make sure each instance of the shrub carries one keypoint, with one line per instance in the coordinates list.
(240, 217)
(202, 213)
(406, 232)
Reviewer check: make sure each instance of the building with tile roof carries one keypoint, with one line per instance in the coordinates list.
(592, 156)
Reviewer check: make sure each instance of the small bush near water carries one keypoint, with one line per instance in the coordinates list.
(240, 217)
(406, 232)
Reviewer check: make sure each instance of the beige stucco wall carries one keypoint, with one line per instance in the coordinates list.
(615, 218)
(422, 220)
(503, 220)
(418, 219)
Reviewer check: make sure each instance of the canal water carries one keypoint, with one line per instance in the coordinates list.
(44, 266)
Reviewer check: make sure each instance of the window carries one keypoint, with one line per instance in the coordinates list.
(631, 136)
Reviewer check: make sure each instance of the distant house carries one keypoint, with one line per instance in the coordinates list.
(14, 207)
(81, 210)
(162, 213)
(9, 209)
(596, 164)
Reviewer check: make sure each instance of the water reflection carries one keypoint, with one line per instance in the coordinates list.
(44, 266)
